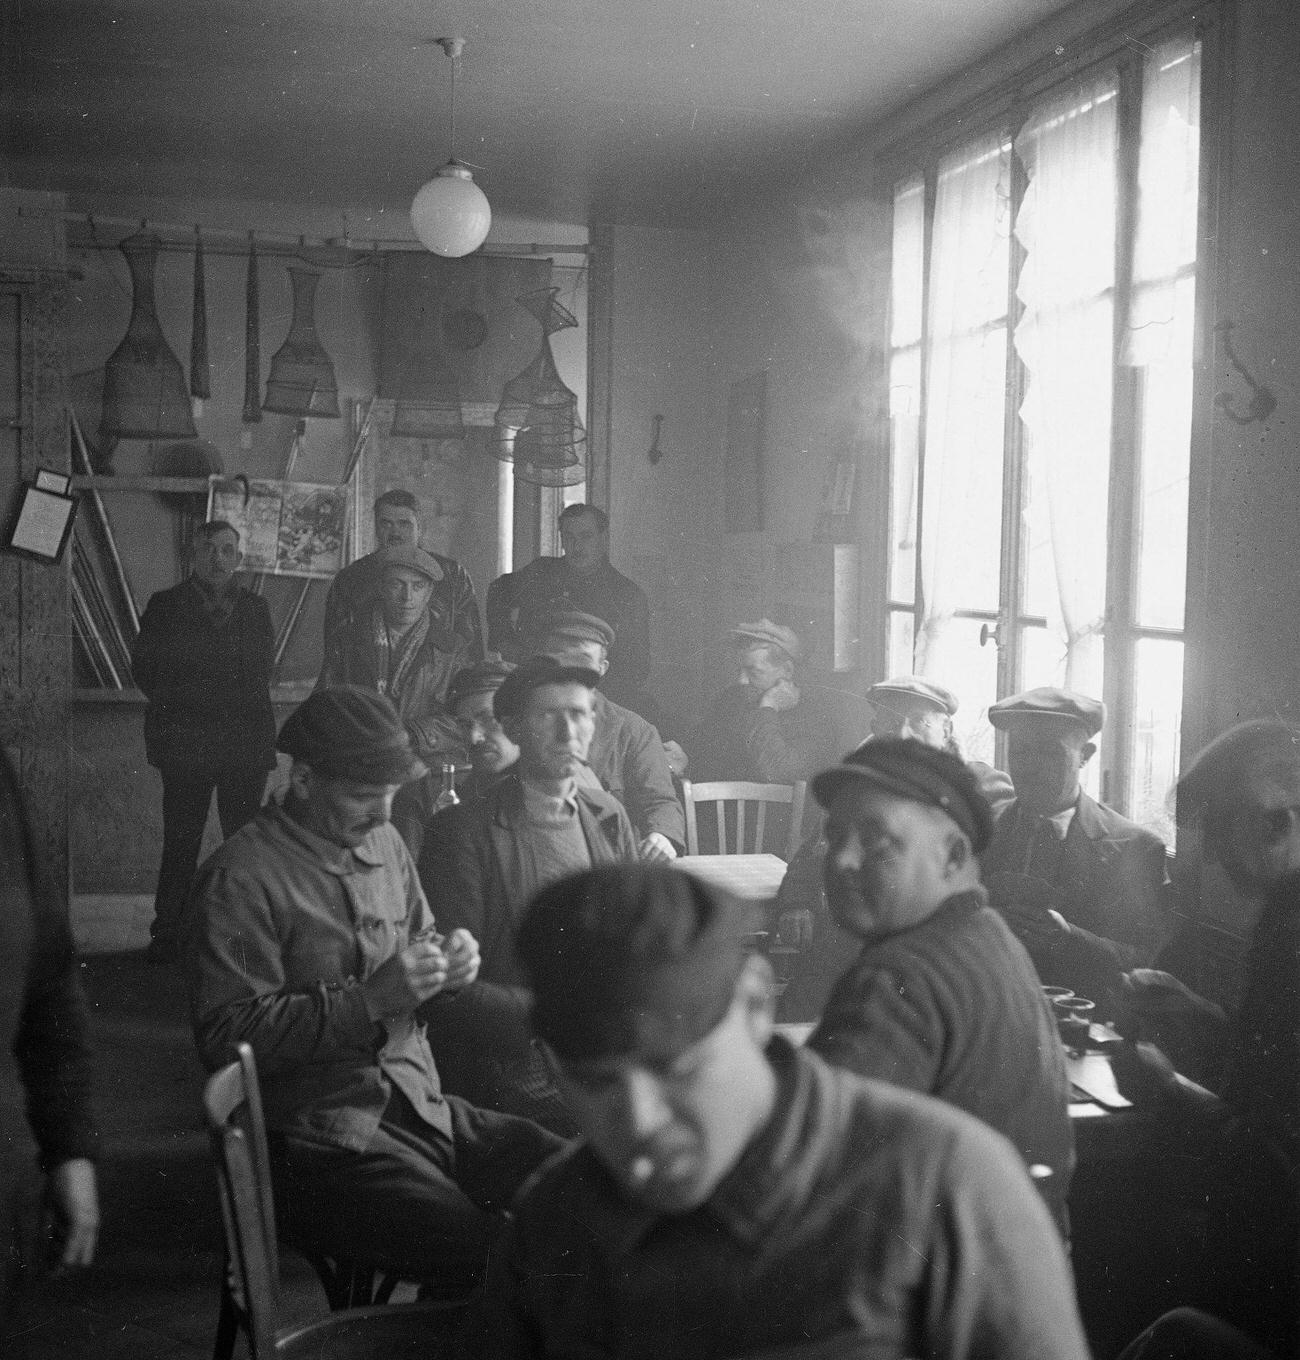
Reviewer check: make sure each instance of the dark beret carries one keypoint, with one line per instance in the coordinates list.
(347, 732)
(631, 958)
(483, 677)
(1215, 776)
(510, 698)
(911, 769)
(1048, 704)
(571, 623)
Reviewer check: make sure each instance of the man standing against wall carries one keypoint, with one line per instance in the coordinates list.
(582, 579)
(354, 590)
(203, 660)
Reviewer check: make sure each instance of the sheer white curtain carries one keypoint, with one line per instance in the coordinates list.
(1065, 338)
(961, 492)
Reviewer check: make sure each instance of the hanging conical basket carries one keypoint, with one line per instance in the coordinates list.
(301, 381)
(537, 426)
(144, 384)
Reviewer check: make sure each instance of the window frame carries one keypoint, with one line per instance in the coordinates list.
(1003, 110)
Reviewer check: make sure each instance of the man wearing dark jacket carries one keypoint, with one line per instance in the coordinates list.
(1080, 885)
(483, 861)
(204, 659)
(942, 998)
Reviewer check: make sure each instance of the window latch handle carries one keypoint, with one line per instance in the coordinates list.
(990, 634)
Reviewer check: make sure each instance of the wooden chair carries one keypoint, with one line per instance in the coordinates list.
(722, 793)
(250, 1296)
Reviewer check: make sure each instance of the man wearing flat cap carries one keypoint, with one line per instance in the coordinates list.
(903, 706)
(626, 755)
(311, 940)
(1079, 884)
(766, 727)
(491, 752)
(733, 1195)
(582, 579)
(406, 647)
(483, 861)
(354, 592)
(942, 998)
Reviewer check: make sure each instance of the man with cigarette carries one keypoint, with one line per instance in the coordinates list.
(311, 939)
(733, 1195)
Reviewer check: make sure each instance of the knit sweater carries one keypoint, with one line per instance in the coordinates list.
(954, 1009)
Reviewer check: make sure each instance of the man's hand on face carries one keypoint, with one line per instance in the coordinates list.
(406, 979)
(657, 847)
(784, 694)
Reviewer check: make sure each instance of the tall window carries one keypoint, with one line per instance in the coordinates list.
(1041, 328)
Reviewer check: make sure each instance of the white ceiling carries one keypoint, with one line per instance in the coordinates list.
(654, 111)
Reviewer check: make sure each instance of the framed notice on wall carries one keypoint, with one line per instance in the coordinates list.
(285, 528)
(43, 523)
(742, 463)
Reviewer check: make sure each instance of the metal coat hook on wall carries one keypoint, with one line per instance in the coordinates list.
(1262, 402)
(654, 453)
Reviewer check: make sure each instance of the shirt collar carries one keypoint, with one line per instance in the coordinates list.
(539, 803)
(769, 1177)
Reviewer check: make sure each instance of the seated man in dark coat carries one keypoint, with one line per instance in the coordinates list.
(406, 646)
(491, 752)
(203, 659)
(733, 1195)
(1080, 885)
(766, 727)
(942, 999)
(484, 860)
(903, 706)
(626, 754)
(312, 941)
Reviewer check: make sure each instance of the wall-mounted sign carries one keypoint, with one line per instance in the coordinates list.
(285, 528)
(41, 528)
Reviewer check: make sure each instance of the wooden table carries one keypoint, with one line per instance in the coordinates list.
(751, 878)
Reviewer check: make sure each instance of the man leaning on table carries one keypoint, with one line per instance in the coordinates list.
(942, 998)
(733, 1195)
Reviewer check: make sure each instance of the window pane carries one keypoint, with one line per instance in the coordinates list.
(901, 631)
(904, 434)
(907, 270)
(971, 672)
(1065, 338)
(1157, 727)
(1164, 453)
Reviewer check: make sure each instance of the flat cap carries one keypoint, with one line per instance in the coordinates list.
(631, 958)
(347, 732)
(483, 677)
(910, 769)
(571, 623)
(510, 698)
(773, 634)
(416, 559)
(914, 687)
(1048, 703)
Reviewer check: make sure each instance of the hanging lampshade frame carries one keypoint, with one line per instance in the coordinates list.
(145, 393)
(537, 411)
(301, 380)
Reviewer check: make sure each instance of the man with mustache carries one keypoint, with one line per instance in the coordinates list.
(733, 1195)
(311, 939)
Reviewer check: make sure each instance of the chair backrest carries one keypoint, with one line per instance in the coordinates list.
(238, 1132)
(724, 792)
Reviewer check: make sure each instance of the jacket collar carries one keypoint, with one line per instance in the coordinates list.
(506, 800)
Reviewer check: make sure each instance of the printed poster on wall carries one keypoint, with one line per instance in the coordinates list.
(285, 528)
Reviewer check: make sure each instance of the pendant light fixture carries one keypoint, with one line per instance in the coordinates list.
(450, 213)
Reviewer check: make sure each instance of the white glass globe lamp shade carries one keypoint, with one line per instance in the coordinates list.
(451, 214)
